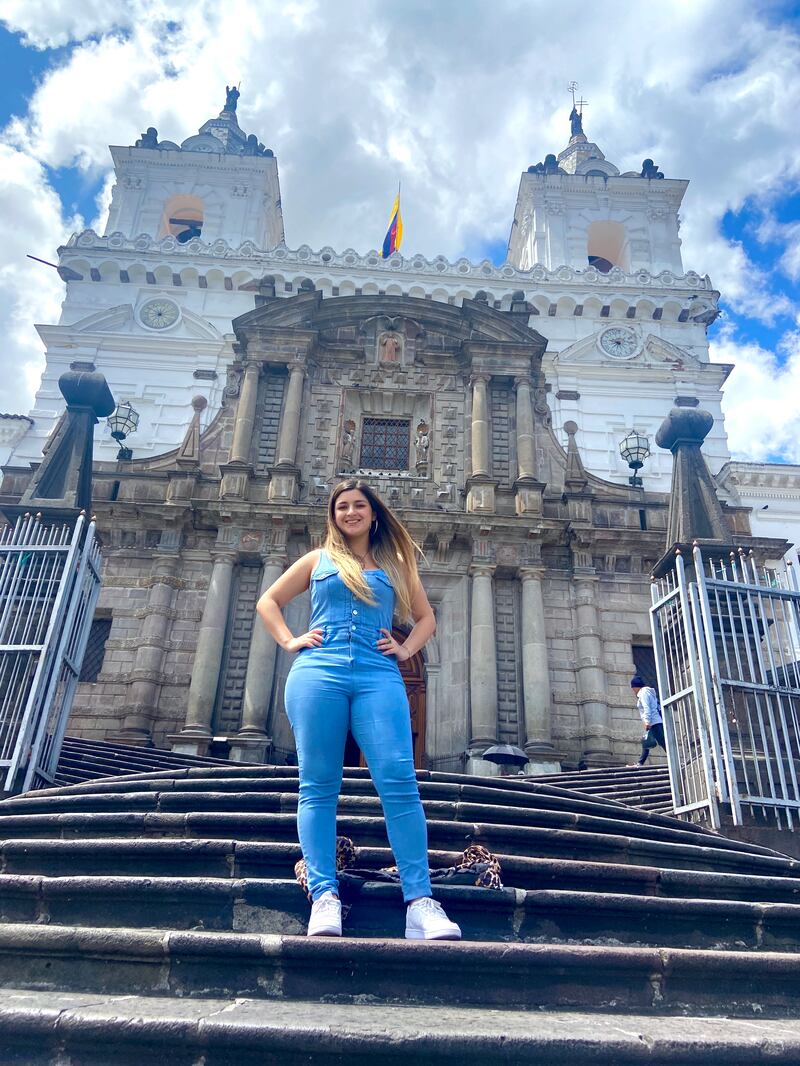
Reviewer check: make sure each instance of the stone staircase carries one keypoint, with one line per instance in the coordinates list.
(647, 789)
(90, 760)
(154, 918)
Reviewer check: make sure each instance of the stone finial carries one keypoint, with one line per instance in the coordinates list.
(189, 451)
(519, 305)
(575, 477)
(650, 170)
(149, 139)
(695, 512)
(62, 485)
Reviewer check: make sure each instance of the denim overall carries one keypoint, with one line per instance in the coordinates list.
(347, 683)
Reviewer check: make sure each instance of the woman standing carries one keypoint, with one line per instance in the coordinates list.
(346, 676)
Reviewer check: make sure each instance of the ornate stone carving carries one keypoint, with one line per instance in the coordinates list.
(234, 381)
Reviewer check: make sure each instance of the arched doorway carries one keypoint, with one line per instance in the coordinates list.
(413, 673)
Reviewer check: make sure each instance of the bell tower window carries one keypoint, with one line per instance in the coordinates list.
(608, 246)
(183, 218)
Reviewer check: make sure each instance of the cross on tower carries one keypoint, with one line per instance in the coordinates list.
(577, 105)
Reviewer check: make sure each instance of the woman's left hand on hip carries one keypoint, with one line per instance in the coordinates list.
(387, 645)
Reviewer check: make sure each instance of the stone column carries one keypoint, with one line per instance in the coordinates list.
(536, 676)
(252, 741)
(245, 416)
(480, 425)
(526, 455)
(236, 473)
(148, 665)
(480, 486)
(528, 490)
(283, 484)
(593, 698)
(482, 672)
(290, 423)
(194, 737)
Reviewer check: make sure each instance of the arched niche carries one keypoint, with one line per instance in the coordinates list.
(608, 246)
(183, 218)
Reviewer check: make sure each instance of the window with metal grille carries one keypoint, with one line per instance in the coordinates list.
(95, 649)
(385, 443)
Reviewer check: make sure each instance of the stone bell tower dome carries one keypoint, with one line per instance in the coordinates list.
(576, 209)
(219, 184)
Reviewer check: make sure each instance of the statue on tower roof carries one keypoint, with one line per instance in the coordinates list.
(576, 114)
(149, 139)
(232, 95)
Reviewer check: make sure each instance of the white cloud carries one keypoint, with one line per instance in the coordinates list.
(454, 99)
(45, 24)
(32, 223)
(762, 415)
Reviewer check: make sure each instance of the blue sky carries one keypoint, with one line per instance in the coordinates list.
(456, 100)
(24, 69)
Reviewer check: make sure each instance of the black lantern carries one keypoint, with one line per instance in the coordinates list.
(122, 423)
(634, 449)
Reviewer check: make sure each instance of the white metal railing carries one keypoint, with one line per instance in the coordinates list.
(728, 661)
(49, 584)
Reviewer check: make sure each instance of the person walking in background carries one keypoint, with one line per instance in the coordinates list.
(650, 712)
(346, 676)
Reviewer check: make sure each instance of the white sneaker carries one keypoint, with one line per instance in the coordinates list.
(425, 920)
(326, 916)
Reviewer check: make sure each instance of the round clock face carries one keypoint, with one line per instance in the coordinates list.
(619, 342)
(159, 314)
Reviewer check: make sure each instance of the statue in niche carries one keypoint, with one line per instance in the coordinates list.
(149, 139)
(348, 445)
(422, 444)
(390, 347)
(232, 95)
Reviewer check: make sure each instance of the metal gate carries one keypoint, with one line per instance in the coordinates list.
(49, 584)
(727, 643)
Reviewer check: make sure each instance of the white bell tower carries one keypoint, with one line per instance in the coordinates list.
(220, 184)
(576, 209)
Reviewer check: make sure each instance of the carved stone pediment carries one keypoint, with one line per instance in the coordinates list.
(419, 323)
(648, 351)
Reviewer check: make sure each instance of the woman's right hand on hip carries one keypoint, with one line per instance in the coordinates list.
(311, 639)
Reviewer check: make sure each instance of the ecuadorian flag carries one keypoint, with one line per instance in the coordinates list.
(394, 234)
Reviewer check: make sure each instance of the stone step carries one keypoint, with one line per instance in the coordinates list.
(78, 754)
(601, 776)
(84, 795)
(280, 907)
(244, 791)
(220, 858)
(45, 1028)
(541, 811)
(579, 837)
(502, 976)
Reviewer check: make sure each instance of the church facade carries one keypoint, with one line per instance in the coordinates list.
(486, 403)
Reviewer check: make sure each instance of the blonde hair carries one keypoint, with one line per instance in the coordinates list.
(391, 545)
